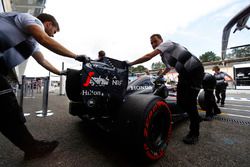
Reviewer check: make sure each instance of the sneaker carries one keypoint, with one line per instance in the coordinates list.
(40, 149)
(190, 139)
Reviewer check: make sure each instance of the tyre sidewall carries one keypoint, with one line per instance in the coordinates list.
(152, 110)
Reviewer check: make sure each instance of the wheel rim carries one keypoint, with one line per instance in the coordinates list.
(157, 134)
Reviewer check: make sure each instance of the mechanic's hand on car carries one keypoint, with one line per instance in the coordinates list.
(82, 58)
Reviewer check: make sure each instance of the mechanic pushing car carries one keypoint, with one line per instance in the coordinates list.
(20, 34)
(191, 72)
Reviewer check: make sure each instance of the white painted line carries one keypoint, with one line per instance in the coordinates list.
(237, 99)
(235, 109)
(237, 105)
(234, 115)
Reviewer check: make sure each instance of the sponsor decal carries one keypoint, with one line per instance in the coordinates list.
(92, 93)
(99, 81)
(116, 82)
(147, 85)
(90, 75)
(139, 87)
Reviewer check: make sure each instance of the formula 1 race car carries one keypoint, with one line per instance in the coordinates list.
(100, 93)
(156, 85)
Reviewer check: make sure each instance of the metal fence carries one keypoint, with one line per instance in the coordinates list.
(29, 86)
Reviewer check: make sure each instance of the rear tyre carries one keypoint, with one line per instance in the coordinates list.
(73, 85)
(201, 99)
(146, 125)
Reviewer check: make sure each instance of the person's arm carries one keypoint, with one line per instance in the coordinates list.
(228, 77)
(146, 57)
(42, 38)
(165, 72)
(38, 56)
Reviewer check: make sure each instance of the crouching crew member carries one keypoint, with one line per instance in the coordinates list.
(210, 105)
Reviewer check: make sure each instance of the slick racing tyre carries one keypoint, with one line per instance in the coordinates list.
(146, 124)
(73, 85)
(201, 99)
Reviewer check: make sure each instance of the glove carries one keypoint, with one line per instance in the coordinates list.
(63, 72)
(82, 58)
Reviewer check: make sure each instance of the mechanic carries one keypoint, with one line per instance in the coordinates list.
(159, 74)
(191, 73)
(222, 79)
(20, 34)
(147, 72)
(211, 107)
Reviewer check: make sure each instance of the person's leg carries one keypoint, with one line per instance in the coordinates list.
(216, 109)
(19, 135)
(223, 96)
(217, 94)
(209, 104)
(12, 125)
(193, 112)
(187, 100)
(12, 119)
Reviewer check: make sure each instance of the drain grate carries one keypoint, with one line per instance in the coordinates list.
(231, 120)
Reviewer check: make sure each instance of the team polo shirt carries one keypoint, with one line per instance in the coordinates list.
(166, 49)
(220, 78)
(177, 56)
(16, 44)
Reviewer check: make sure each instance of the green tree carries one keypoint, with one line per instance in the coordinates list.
(138, 69)
(157, 65)
(209, 56)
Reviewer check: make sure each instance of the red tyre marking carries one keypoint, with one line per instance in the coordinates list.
(155, 155)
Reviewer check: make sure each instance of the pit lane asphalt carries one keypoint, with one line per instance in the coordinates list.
(221, 143)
